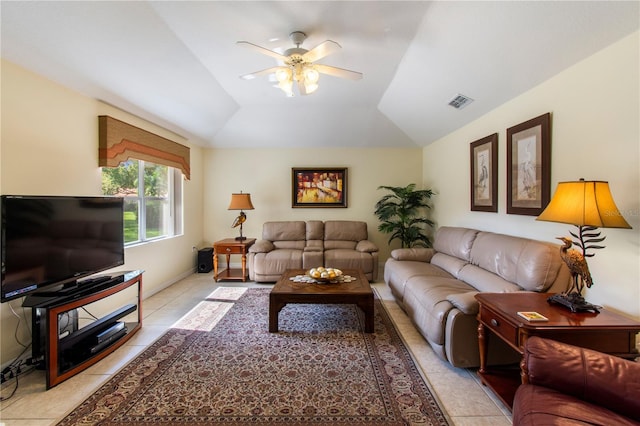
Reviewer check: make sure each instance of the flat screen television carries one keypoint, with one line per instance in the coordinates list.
(51, 242)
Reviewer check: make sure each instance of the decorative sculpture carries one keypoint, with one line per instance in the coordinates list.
(577, 265)
(580, 274)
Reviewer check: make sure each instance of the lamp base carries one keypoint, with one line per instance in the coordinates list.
(241, 238)
(574, 302)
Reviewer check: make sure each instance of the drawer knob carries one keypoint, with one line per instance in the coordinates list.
(228, 249)
(494, 322)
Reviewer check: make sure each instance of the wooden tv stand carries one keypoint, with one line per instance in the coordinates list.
(69, 347)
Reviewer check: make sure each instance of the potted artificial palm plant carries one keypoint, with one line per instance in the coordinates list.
(402, 215)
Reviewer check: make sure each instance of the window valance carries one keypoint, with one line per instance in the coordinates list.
(119, 141)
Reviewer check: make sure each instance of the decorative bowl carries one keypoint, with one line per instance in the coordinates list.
(324, 275)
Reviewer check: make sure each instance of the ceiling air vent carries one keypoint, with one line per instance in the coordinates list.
(460, 101)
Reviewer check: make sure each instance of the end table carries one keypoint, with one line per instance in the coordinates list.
(228, 247)
(606, 332)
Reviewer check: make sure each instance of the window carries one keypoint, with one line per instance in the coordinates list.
(152, 199)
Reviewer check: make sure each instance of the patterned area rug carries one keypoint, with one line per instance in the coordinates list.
(219, 364)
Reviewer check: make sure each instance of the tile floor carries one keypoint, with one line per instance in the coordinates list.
(463, 398)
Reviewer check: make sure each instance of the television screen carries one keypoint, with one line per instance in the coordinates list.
(48, 241)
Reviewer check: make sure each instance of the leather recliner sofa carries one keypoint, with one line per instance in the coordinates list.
(341, 244)
(436, 286)
(567, 385)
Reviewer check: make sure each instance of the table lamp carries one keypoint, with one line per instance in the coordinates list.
(240, 202)
(588, 205)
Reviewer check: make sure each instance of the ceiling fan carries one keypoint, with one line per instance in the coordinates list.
(298, 65)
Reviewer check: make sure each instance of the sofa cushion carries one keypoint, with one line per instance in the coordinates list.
(349, 259)
(345, 230)
(315, 230)
(451, 264)
(537, 405)
(338, 244)
(533, 265)
(426, 301)
(277, 261)
(613, 382)
(485, 281)
(284, 231)
(456, 242)
(396, 273)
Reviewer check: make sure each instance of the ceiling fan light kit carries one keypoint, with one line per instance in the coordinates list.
(299, 65)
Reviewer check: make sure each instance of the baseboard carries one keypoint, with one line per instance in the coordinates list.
(168, 283)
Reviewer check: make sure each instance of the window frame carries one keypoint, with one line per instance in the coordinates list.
(174, 198)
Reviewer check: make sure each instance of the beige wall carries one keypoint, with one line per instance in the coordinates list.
(266, 175)
(595, 121)
(49, 146)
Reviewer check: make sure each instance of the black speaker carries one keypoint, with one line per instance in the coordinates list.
(205, 260)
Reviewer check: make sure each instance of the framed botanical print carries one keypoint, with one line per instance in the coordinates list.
(484, 174)
(529, 166)
(319, 187)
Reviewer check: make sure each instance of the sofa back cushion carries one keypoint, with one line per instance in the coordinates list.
(601, 379)
(483, 280)
(286, 234)
(344, 234)
(532, 265)
(449, 263)
(456, 242)
(315, 234)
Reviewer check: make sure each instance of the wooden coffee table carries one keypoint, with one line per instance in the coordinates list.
(356, 292)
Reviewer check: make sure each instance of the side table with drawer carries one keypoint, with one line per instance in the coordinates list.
(227, 247)
(606, 332)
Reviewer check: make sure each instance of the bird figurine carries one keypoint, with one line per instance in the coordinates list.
(577, 266)
(242, 217)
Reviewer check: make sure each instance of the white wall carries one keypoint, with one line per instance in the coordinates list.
(595, 135)
(49, 146)
(266, 175)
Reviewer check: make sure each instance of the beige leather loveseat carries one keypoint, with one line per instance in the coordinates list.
(341, 244)
(436, 287)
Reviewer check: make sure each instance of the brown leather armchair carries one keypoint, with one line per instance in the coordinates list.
(568, 385)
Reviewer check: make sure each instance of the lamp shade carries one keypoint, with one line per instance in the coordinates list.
(240, 202)
(584, 203)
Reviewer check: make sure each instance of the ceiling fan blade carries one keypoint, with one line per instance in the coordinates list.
(262, 50)
(253, 75)
(338, 72)
(320, 51)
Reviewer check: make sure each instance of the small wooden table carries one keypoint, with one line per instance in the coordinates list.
(605, 332)
(356, 292)
(228, 247)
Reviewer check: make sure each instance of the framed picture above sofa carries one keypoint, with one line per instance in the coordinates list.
(318, 187)
(484, 174)
(529, 166)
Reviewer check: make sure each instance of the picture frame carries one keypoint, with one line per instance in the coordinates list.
(484, 174)
(319, 187)
(529, 166)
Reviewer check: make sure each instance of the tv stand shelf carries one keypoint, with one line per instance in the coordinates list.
(67, 347)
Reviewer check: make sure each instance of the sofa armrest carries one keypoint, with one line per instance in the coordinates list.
(366, 246)
(466, 302)
(262, 246)
(418, 254)
(592, 376)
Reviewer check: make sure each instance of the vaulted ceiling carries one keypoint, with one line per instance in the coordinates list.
(177, 64)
